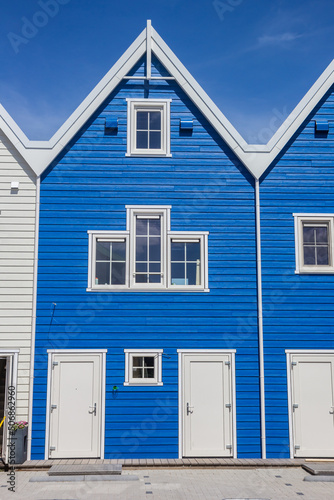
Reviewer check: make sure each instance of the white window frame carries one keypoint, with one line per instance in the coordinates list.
(130, 354)
(315, 219)
(108, 236)
(164, 213)
(162, 105)
(189, 236)
(167, 236)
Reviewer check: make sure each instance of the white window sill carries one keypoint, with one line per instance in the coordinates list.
(149, 290)
(143, 384)
(149, 155)
(316, 270)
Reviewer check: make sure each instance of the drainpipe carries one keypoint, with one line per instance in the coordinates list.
(260, 317)
(33, 319)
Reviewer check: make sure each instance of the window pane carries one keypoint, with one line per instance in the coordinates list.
(141, 249)
(141, 226)
(102, 273)
(118, 251)
(141, 267)
(322, 235)
(178, 274)
(102, 250)
(118, 273)
(308, 234)
(309, 256)
(322, 256)
(155, 268)
(193, 251)
(148, 372)
(154, 253)
(137, 361)
(154, 278)
(141, 278)
(192, 273)
(155, 140)
(142, 140)
(178, 253)
(155, 226)
(155, 120)
(137, 373)
(142, 120)
(149, 361)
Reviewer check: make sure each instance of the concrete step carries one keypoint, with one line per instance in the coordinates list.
(85, 470)
(319, 468)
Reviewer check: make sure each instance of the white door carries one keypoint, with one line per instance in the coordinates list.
(312, 391)
(75, 406)
(207, 405)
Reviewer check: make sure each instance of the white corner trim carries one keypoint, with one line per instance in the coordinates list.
(33, 317)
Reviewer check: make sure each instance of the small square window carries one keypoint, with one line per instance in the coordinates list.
(314, 248)
(143, 367)
(148, 127)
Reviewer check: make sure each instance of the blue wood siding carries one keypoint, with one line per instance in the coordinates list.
(298, 309)
(87, 189)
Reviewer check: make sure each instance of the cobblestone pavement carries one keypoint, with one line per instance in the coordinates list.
(175, 484)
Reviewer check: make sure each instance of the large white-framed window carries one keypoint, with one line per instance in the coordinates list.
(148, 256)
(148, 127)
(314, 242)
(108, 260)
(143, 367)
(148, 227)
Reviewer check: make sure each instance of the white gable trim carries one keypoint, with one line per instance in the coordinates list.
(256, 157)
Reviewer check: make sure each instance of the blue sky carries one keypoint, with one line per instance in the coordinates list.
(255, 58)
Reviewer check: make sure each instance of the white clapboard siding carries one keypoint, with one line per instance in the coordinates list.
(17, 232)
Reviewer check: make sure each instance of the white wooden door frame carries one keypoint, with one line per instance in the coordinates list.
(51, 352)
(231, 352)
(289, 353)
(14, 354)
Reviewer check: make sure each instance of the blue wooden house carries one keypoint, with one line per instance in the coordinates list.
(147, 275)
(165, 326)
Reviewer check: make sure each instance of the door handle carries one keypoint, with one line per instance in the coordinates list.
(189, 409)
(94, 409)
(332, 410)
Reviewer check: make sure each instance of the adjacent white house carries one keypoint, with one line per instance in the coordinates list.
(17, 254)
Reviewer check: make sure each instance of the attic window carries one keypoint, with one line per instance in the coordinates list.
(148, 127)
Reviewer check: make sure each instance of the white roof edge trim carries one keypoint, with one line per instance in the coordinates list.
(256, 157)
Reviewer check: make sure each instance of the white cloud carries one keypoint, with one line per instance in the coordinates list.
(278, 39)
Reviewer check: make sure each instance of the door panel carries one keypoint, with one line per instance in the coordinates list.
(312, 405)
(75, 411)
(207, 405)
